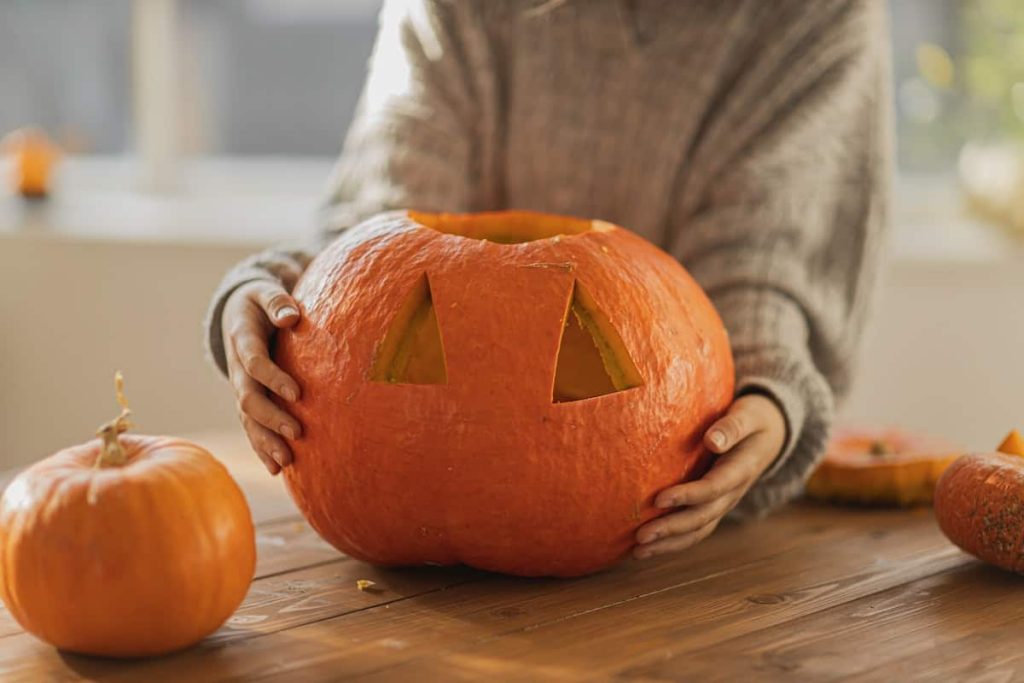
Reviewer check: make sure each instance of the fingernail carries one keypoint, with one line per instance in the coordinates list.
(718, 439)
(289, 393)
(666, 503)
(286, 312)
(278, 457)
(289, 432)
(642, 554)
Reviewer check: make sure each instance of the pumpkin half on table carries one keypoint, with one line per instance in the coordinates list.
(504, 390)
(881, 467)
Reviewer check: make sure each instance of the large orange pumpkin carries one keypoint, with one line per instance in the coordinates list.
(881, 466)
(979, 504)
(504, 390)
(125, 546)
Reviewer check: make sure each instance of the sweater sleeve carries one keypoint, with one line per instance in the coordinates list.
(785, 202)
(411, 144)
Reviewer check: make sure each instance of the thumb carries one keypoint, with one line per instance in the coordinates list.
(279, 306)
(737, 424)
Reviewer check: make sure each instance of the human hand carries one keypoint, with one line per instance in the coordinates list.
(747, 440)
(251, 315)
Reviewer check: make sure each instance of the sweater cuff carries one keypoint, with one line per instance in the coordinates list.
(776, 384)
(807, 405)
(213, 324)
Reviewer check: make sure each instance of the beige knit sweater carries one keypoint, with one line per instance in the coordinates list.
(748, 138)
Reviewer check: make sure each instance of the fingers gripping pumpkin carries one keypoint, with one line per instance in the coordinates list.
(503, 390)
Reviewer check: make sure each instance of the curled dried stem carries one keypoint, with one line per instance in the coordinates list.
(112, 452)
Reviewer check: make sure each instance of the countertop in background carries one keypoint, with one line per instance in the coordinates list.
(102, 277)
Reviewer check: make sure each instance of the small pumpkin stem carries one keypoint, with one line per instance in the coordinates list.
(112, 452)
(878, 448)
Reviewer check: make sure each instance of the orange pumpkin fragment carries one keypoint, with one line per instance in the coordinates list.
(886, 467)
(1013, 444)
(563, 375)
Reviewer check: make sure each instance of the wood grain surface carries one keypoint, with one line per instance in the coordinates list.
(811, 593)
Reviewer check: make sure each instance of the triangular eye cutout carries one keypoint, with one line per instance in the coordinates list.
(411, 351)
(592, 360)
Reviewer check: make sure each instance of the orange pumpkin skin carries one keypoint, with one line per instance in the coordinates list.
(882, 467)
(486, 469)
(979, 504)
(139, 559)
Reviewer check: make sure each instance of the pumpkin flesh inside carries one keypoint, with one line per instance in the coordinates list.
(592, 359)
(412, 351)
(504, 228)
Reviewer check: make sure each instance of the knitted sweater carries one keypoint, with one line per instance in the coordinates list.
(749, 139)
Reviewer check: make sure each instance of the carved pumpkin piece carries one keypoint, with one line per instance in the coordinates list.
(886, 467)
(1013, 444)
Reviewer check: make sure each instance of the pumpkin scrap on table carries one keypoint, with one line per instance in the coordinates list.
(979, 504)
(881, 467)
(504, 390)
(125, 546)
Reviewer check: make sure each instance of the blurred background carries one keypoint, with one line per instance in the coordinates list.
(195, 132)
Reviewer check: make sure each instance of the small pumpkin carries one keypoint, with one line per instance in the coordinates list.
(125, 546)
(34, 157)
(979, 505)
(882, 467)
(505, 390)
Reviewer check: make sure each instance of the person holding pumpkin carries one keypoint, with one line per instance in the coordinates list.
(749, 140)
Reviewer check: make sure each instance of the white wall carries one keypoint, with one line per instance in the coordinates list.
(72, 312)
(943, 354)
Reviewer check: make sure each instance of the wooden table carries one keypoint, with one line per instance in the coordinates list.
(810, 594)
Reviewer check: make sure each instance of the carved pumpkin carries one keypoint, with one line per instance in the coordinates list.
(979, 504)
(125, 546)
(888, 467)
(505, 390)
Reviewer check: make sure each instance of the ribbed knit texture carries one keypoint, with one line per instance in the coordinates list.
(750, 139)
